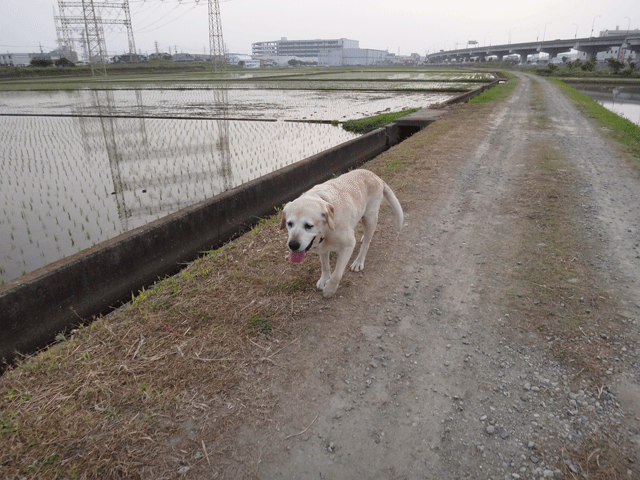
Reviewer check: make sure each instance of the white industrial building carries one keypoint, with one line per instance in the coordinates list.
(331, 52)
(299, 48)
(15, 59)
(352, 56)
(24, 59)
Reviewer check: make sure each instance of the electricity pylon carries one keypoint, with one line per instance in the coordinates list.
(216, 43)
(92, 16)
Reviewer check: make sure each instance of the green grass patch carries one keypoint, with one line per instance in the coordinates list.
(7, 424)
(499, 92)
(538, 107)
(260, 325)
(623, 130)
(369, 124)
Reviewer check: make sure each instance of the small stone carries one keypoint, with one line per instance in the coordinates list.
(490, 429)
(527, 386)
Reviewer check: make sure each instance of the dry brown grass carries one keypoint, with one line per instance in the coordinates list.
(109, 401)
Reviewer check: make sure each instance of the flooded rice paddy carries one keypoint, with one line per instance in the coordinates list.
(247, 104)
(80, 167)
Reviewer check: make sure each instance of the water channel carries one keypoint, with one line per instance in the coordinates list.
(622, 100)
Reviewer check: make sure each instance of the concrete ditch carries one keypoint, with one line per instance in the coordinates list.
(56, 298)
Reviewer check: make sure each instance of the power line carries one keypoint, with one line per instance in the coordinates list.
(165, 24)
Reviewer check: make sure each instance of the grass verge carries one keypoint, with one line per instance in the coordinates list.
(369, 124)
(497, 93)
(107, 401)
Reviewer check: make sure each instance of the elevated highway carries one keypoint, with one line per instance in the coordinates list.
(591, 46)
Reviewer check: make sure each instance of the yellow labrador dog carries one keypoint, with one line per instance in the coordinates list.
(324, 218)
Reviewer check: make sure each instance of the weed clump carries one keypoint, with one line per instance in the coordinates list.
(369, 124)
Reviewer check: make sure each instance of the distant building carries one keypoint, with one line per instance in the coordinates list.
(15, 59)
(299, 48)
(187, 57)
(351, 57)
(128, 58)
(328, 53)
(158, 56)
(618, 53)
(24, 59)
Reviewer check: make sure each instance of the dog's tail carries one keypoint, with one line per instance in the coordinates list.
(395, 206)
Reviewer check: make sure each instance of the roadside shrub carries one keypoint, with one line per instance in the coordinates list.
(589, 66)
(550, 69)
(63, 62)
(577, 63)
(615, 65)
(627, 72)
(41, 62)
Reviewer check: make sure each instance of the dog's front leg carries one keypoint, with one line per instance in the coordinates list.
(341, 263)
(325, 268)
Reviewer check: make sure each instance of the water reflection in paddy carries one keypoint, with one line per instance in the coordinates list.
(81, 167)
(69, 183)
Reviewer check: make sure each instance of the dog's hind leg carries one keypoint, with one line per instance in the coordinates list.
(369, 222)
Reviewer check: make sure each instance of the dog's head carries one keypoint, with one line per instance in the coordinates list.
(306, 220)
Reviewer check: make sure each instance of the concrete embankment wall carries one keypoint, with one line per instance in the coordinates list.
(53, 299)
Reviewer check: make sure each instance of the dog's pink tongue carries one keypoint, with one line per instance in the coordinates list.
(296, 257)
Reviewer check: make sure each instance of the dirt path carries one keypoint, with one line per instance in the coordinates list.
(422, 366)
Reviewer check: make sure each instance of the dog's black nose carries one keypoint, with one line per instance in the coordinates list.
(294, 245)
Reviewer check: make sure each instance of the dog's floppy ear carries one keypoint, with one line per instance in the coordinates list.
(330, 216)
(283, 222)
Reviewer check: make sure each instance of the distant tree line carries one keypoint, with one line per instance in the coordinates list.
(47, 62)
(616, 67)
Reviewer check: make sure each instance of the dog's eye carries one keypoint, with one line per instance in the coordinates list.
(290, 224)
(308, 226)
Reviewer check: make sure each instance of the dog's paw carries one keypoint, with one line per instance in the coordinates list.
(330, 287)
(357, 266)
(329, 290)
(321, 283)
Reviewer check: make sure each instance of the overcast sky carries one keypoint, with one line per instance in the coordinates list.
(399, 26)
